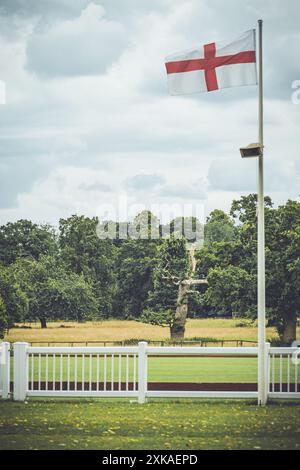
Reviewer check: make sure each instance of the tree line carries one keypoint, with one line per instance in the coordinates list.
(73, 274)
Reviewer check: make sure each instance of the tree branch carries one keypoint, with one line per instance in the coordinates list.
(194, 282)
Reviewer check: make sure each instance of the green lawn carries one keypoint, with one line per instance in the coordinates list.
(120, 424)
(160, 369)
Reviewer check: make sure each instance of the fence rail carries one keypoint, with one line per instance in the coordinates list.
(145, 371)
(162, 343)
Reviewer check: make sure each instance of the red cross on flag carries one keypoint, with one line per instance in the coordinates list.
(215, 66)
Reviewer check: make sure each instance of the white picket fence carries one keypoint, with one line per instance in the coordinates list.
(123, 371)
(284, 373)
(4, 370)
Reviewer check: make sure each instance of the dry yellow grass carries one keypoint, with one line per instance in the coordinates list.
(114, 330)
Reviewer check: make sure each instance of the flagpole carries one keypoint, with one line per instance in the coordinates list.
(261, 313)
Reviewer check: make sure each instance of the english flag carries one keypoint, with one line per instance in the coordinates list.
(214, 66)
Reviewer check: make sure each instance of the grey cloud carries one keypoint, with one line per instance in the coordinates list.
(24, 161)
(84, 46)
(237, 174)
(64, 9)
(161, 188)
(297, 164)
(15, 146)
(144, 182)
(16, 15)
(194, 190)
(101, 187)
(232, 174)
(42, 14)
(280, 175)
(17, 176)
(47, 9)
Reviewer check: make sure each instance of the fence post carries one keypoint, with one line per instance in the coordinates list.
(142, 372)
(5, 370)
(20, 371)
(267, 371)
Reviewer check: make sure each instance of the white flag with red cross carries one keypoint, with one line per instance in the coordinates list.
(214, 66)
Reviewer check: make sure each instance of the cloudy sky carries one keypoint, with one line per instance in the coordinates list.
(88, 122)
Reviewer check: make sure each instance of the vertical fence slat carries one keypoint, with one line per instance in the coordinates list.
(68, 372)
(134, 372)
(90, 373)
(46, 372)
(288, 372)
(97, 373)
(269, 372)
(32, 371)
(39, 372)
(61, 372)
(120, 371)
(112, 371)
(75, 371)
(296, 375)
(273, 373)
(82, 371)
(127, 374)
(54, 372)
(280, 372)
(104, 372)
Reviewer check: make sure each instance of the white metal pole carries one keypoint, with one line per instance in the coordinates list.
(261, 310)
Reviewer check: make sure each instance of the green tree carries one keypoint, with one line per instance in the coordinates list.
(231, 267)
(134, 275)
(14, 302)
(54, 293)
(68, 297)
(283, 273)
(219, 227)
(23, 239)
(232, 286)
(3, 318)
(135, 263)
(83, 252)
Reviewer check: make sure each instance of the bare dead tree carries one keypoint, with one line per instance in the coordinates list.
(184, 288)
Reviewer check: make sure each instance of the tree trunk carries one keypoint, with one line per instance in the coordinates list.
(177, 329)
(289, 333)
(43, 322)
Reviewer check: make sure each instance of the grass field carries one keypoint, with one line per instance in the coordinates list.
(114, 330)
(168, 424)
